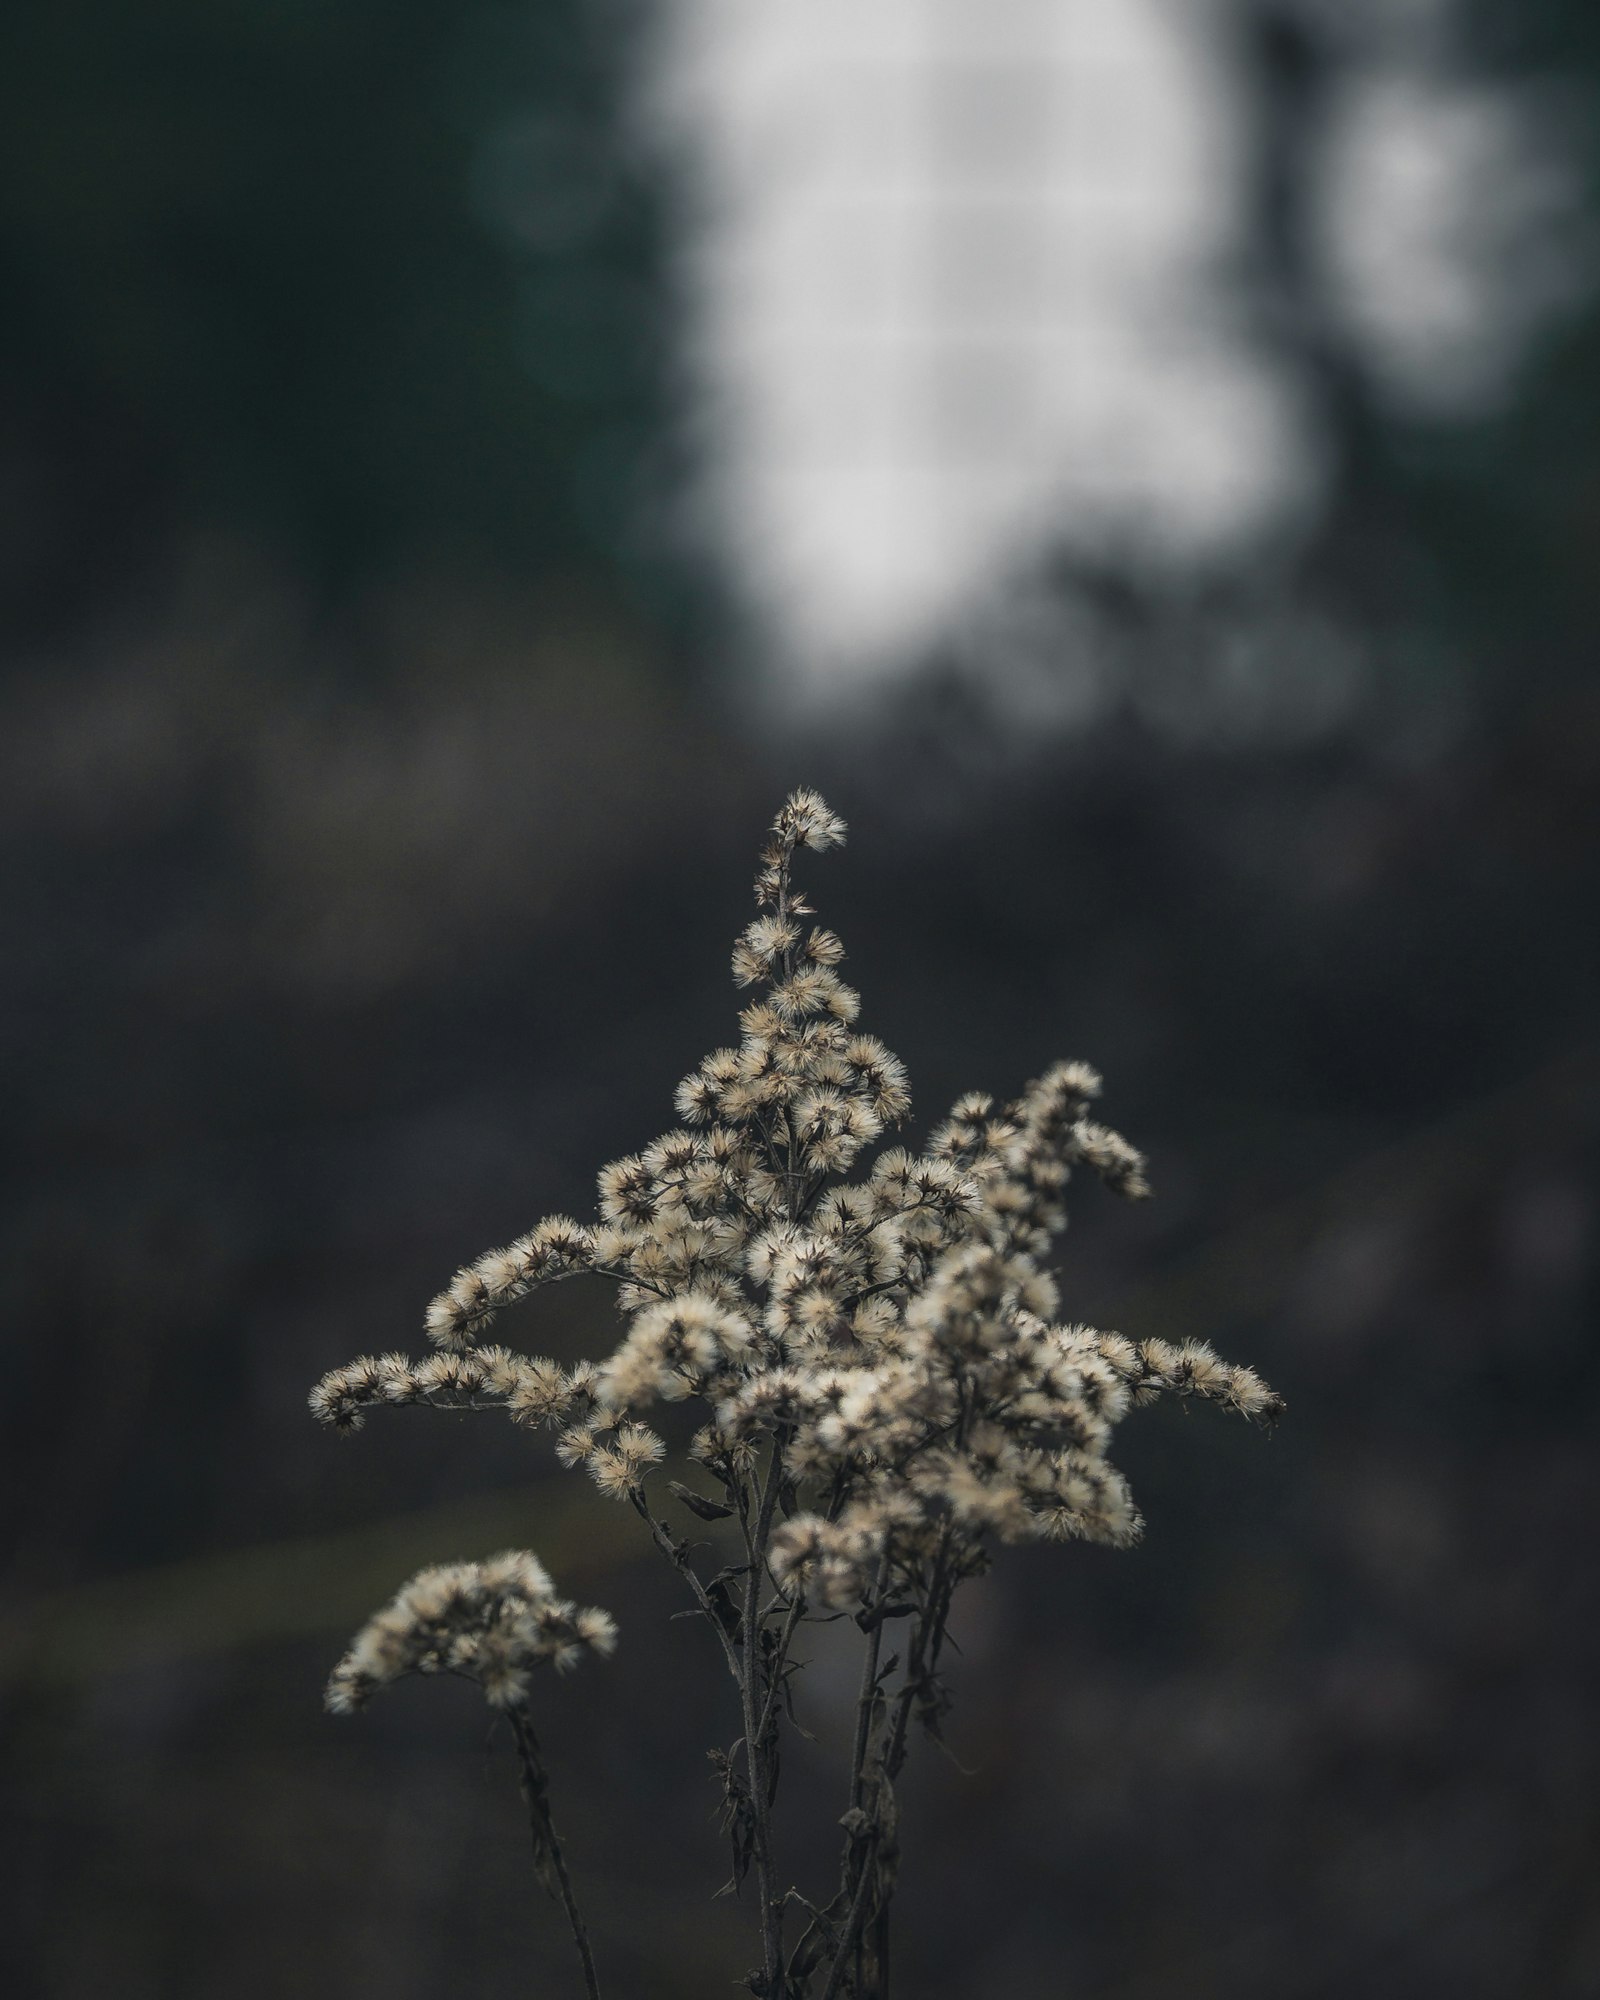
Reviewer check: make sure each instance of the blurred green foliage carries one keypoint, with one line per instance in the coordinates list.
(355, 279)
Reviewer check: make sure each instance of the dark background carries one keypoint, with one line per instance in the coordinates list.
(379, 788)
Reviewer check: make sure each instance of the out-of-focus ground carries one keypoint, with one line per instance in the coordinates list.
(380, 773)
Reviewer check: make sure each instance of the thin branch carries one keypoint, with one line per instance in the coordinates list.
(755, 1744)
(678, 1556)
(927, 1639)
(797, 1611)
(547, 1844)
(866, 1701)
(852, 1930)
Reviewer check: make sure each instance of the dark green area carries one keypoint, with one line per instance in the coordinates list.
(359, 279)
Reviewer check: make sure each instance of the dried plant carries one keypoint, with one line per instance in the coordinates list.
(886, 1386)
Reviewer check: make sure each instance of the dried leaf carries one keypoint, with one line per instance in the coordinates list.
(699, 1503)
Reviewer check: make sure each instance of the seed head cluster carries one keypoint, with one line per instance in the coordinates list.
(885, 1384)
(898, 1332)
(491, 1622)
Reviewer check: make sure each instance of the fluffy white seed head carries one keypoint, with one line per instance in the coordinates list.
(879, 1335)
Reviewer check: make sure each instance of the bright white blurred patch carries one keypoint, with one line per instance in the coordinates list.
(949, 293)
(956, 279)
(1442, 224)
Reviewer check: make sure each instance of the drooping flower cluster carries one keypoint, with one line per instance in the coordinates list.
(492, 1622)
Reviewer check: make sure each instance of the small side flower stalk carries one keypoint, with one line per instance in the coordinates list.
(887, 1391)
(493, 1623)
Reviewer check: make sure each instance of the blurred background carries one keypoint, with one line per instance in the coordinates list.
(459, 466)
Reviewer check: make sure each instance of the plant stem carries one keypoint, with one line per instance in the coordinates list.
(797, 1611)
(755, 1729)
(922, 1660)
(852, 1930)
(678, 1556)
(546, 1844)
(865, 1701)
(922, 1655)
